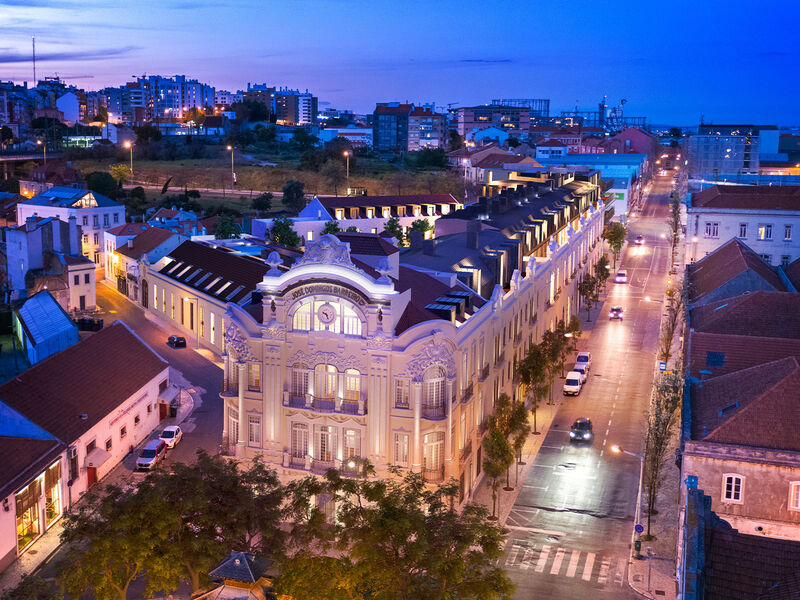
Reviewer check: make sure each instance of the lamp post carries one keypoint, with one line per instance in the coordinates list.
(347, 176)
(129, 146)
(233, 175)
(44, 149)
(617, 449)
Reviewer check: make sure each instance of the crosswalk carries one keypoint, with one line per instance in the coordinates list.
(564, 562)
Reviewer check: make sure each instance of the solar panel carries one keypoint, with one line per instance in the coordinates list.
(193, 275)
(234, 292)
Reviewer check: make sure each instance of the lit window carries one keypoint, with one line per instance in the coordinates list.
(712, 229)
(401, 389)
(401, 449)
(732, 488)
(764, 231)
(254, 430)
(787, 233)
(254, 377)
(794, 495)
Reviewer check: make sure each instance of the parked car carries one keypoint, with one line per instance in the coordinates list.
(176, 341)
(573, 384)
(581, 431)
(616, 313)
(152, 454)
(639, 241)
(171, 436)
(622, 276)
(582, 369)
(584, 358)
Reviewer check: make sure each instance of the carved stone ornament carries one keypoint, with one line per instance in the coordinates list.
(437, 351)
(236, 342)
(379, 341)
(327, 358)
(273, 331)
(329, 250)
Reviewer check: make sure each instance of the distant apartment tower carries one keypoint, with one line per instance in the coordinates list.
(426, 129)
(262, 93)
(390, 126)
(515, 120)
(293, 107)
(225, 98)
(724, 149)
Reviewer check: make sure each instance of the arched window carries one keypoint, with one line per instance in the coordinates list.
(351, 322)
(433, 456)
(325, 382)
(301, 321)
(335, 316)
(299, 380)
(352, 386)
(433, 388)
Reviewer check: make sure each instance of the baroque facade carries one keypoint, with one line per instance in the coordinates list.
(390, 364)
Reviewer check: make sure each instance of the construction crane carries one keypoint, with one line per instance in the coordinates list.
(63, 77)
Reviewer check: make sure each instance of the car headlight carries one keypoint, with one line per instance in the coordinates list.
(587, 435)
(571, 434)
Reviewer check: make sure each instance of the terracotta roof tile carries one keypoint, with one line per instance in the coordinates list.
(93, 377)
(748, 197)
(128, 229)
(721, 353)
(765, 314)
(792, 272)
(377, 201)
(23, 459)
(368, 243)
(402, 109)
(148, 240)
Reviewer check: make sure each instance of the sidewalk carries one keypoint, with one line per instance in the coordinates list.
(123, 475)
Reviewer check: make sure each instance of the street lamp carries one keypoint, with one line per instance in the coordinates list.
(129, 146)
(617, 449)
(233, 175)
(347, 159)
(44, 149)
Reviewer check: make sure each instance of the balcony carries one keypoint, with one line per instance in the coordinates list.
(484, 425)
(433, 475)
(533, 319)
(467, 393)
(518, 337)
(466, 450)
(501, 356)
(325, 405)
(228, 389)
(434, 411)
(484, 373)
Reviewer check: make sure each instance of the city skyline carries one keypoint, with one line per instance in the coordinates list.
(672, 64)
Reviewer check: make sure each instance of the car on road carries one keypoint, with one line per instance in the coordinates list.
(171, 436)
(622, 276)
(639, 241)
(581, 431)
(582, 369)
(573, 384)
(176, 341)
(616, 312)
(153, 453)
(584, 358)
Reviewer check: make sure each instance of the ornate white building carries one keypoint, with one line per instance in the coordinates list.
(387, 363)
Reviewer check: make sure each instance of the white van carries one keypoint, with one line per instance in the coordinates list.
(573, 384)
(581, 368)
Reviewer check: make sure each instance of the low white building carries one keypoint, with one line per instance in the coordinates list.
(149, 246)
(66, 422)
(346, 361)
(766, 218)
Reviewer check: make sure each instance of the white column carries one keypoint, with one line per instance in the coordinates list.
(242, 424)
(225, 371)
(448, 435)
(416, 442)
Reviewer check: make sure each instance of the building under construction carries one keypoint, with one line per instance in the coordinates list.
(610, 118)
(539, 107)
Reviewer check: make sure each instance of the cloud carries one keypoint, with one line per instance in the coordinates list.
(8, 56)
(486, 60)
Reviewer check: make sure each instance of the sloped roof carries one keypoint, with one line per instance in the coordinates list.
(91, 378)
(401, 109)
(43, 318)
(314, 211)
(241, 566)
(377, 201)
(368, 243)
(150, 239)
(748, 197)
(198, 266)
(721, 353)
(753, 407)
(551, 144)
(65, 197)
(725, 263)
(792, 272)
(761, 313)
(498, 159)
(128, 229)
(23, 459)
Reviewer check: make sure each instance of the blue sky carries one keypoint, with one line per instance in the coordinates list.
(672, 61)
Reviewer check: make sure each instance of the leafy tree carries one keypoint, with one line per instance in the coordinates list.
(352, 229)
(265, 133)
(146, 134)
(615, 234)
(422, 225)
(120, 172)
(262, 203)
(498, 456)
(551, 345)
(194, 115)
(10, 185)
(675, 132)
(534, 375)
(283, 232)
(102, 183)
(304, 140)
(6, 136)
(392, 226)
(136, 202)
(293, 195)
(227, 229)
(331, 226)
(588, 291)
(513, 142)
(110, 549)
(31, 587)
(511, 418)
(102, 114)
(430, 158)
(601, 272)
(396, 539)
(674, 307)
(250, 111)
(334, 172)
(398, 181)
(455, 141)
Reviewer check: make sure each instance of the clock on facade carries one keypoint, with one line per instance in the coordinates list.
(326, 314)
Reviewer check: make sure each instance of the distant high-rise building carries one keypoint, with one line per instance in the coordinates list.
(390, 126)
(426, 129)
(724, 149)
(293, 107)
(515, 120)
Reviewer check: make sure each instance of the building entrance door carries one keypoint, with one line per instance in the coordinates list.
(91, 476)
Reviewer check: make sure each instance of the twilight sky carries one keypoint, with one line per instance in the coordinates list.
(730, 60)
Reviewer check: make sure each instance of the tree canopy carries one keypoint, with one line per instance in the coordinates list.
(102, 183)
(294, 197)
(283, 232)
(615, 234)
(227, 229)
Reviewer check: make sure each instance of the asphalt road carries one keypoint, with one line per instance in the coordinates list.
(570, 528)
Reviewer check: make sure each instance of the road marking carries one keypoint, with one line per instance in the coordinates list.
(619, 577)
(587, 567)
(607, 430)
(534, 530)
(573, 563)
(601, 451)
(526, 561)
(603, 576)
(542, 559)
(609, 422)
(513, 556)
(557, 561)
(535, 487)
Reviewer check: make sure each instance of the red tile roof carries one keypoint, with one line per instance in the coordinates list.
(725, 263)
(150, 239)
(497, 160)
(368, 243)
(377, 201)
(721, 353)
(765, 314)
(748, 197)
(128, 229)
(792, 272)
(91, 378)
(753, 407)
(551, 144)
(24, 459)
(402, 109)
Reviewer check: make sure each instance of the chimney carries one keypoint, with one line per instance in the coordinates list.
(130, 243)
(30, 223)
(473, 227)
(429, 247)
(74, 236)
(416, 238)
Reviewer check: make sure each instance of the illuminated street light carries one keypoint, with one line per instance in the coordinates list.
(129, 145)
(347, 176)
(44, 150)
(233, 175)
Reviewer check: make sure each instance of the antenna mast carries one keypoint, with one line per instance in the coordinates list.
(33, 42)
